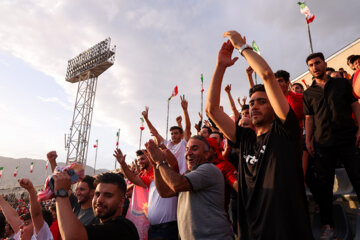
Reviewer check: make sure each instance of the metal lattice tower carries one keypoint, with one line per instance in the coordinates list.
(84, 69)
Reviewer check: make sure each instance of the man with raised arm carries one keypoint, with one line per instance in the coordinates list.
(107, 205)
(272, 202)
(41, 228)
(81, 201)
(179, 137)
(200, 210)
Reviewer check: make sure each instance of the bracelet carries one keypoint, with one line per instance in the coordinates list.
(243, 47)
(160, 163)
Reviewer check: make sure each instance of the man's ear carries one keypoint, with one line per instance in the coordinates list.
(92, 193)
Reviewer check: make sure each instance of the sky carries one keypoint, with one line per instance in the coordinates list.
(159, 44)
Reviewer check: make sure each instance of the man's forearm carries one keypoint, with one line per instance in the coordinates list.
(153, 130)
(132, 176)
(10, 214)
(35, 210)
(233, 106)
(70, 227)
(309, 128)
(163, 189)
(187, 133)
(174, 180)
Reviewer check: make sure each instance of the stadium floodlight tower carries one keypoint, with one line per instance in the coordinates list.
(84, 69)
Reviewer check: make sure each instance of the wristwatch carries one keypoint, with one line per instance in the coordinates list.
(243, 47)
(160, 163)
(61, 193)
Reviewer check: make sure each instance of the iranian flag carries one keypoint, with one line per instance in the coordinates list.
(202, 83)
(117, 138)
(306, 11)
(255, 47)
(142, 127)
(96, 144)
(47, 165)
(1, 171)
(174, 93)
(16, 171)
(31, 167)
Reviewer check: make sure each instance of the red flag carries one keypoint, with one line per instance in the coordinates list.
(16, 171)
(174, 93)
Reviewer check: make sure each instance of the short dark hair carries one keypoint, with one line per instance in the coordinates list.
(48, 218)
(220, 135)
(298, 84)
(284, 74)
(353, 58)
(140, 152)
(330, 69)
(201, 138)
(113, 178)
(209, 129)
(256, 88)
(89, 180)
(315, 55)
(245, 107)
(176, 128)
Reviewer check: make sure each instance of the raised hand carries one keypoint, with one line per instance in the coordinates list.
(146, 112)
(249, 70)
(228, 88)
(244, 100)
(179, 120)
(61, 181)
(52, 156)
(119, 156)
(156, 154)
(207, 123)
(236, 39)
(26, 183)
(196, 126)
(184, 102)
(201, 116)
(225, 54)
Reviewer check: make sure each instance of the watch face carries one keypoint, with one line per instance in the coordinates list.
(61, 193)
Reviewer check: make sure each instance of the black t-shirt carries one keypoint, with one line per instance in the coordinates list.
(115, 229)
(331, 108)
(272, 202)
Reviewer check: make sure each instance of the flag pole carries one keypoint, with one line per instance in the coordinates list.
(309, 33)
(255, 79)
(202, 94)
(97, 146)
(117, 143)
(140, 139)
(167, 120)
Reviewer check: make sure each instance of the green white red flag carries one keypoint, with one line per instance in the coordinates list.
(306, 11)
(1, 171)
(31, 167)
(255, 47)
(96, 144)
(117, 138)
(16, 171)
(202, 83)
(142, 126)
(47, 165)
(174, 93)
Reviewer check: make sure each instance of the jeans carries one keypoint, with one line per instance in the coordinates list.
(325, 163)
(165, 231)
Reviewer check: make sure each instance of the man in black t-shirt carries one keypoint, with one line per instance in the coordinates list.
(271, 200)
(331, 134)
(107, 205)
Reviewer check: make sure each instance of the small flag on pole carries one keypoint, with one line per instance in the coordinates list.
(31, 167)
(47, 165)
(16, 171)
(306, 11)
(202, 83)
(142, 127)
(174, 93)
(255, 47)
(1, 171)
(95, 146)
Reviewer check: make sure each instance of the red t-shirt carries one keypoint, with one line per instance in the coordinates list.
(54, 228)
(147, 176)
(296, 103)
(230, 176)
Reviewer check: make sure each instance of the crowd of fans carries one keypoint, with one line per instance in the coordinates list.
(240, 176)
